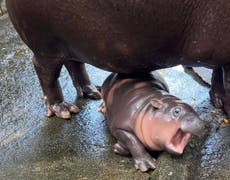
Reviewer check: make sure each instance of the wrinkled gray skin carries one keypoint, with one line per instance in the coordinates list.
(133, 37)
(142, 114)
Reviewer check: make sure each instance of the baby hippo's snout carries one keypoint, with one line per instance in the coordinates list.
(174, 123)
(190, 125)
(193, 125)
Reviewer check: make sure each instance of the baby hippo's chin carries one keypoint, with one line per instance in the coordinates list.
(178, 142)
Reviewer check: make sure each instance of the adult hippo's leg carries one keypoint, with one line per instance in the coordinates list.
(48, 74)
(81, 80)
(217, 89)
(220, 89)
(226, 82)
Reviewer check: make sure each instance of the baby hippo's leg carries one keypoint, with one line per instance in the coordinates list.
(48, 71)
(81, 80)
(142, 159)
(117, 148)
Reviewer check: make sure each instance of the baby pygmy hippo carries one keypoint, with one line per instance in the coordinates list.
(143, 115)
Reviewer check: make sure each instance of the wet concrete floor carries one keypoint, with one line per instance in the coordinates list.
(35, 147)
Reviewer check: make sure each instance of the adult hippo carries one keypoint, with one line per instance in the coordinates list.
(123, 37)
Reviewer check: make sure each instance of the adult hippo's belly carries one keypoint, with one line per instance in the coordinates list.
(122, 37)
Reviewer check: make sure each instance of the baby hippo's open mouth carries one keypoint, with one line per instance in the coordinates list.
(178, 142)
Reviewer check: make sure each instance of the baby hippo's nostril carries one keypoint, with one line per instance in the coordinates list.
(203, 128)
(195, 126)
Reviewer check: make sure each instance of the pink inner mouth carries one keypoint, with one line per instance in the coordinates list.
(178, 142)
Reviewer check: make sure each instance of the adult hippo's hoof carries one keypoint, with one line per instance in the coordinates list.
(88, 91)
(216, 99)
(61, 110)
(92, 95)
(220, 100)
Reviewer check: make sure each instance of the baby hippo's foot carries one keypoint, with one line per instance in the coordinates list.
(89, 91)
(144, 163)
(61, 110)
(118, 149)
(102, 108)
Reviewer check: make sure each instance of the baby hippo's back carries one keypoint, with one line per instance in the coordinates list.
(125, 95)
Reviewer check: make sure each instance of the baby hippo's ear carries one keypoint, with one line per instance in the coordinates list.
(156, 103)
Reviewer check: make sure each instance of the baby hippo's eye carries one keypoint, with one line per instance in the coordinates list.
(177, 111)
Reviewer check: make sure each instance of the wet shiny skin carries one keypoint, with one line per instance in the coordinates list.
(124, 37)
(140, 113)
